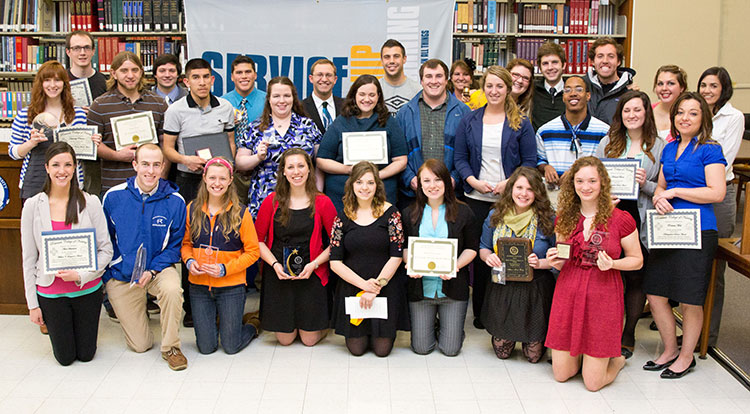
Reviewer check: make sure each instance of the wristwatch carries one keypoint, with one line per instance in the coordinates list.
(382, 281)
(153, 273)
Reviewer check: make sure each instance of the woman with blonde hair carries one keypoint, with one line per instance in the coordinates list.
(585, 324)
(366, 253)
(491, 143)
(669, 82)
(51, 107)
(293, 224)
(219, 245)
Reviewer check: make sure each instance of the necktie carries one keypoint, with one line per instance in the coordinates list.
(552, 91)
(242, 121)
(327, 119)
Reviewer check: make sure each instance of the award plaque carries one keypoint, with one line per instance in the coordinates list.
(514, 252)
(563, 251)
(294, 263)
(591, 248)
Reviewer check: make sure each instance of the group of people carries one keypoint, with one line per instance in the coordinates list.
(524, 163)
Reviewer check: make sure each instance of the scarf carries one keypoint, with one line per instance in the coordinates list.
(516, 225)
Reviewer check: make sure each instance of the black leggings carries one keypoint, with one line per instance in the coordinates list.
(635, 300)
(380, 346)
(481, 271)
(73, 325)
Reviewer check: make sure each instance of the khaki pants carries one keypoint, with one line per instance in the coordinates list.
(130, 306)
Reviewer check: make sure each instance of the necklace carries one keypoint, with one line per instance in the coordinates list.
(588, 217)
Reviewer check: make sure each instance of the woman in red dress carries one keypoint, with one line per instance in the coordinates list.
(587, 308)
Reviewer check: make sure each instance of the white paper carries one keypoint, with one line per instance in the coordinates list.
(379, 309)
(365, 146)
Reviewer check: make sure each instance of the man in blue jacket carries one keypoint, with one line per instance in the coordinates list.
(429, 122)
(147, 211)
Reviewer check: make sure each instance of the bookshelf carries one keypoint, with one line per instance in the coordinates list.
(495, 31)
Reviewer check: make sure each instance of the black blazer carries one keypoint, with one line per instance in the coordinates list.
(312, 112)
(467, 234)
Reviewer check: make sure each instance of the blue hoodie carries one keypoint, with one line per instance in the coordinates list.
(409, 119)
(158, 223)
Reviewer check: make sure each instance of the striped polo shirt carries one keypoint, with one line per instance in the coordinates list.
(112, 104)
(560, 144)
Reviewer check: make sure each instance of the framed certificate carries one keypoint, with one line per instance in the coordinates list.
(622, 174)
(680, 229)
(514, 252)
(69, 250)
(79, 137)
(81, 92)
(432, 257)
(365, 146)
(134, 129)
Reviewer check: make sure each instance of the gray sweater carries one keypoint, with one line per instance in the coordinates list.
(35, 218)
(652, 178)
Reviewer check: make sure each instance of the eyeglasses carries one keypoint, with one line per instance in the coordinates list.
(78, 49)
(517, 75)
(578, 89)
(324, 75)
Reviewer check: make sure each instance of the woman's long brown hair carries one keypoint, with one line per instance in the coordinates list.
(526, 99)
(541, 206)
(76, 200)
(350, 107)
(350, 199)
(618, 134)
(265, 117)
(51, 70)
(569, 204)
(438, 168)
(284, 189)
(230, 220)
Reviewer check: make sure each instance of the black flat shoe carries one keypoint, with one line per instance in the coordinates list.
(627, 353)
(669, 374)
(653, 366)
(478, 324)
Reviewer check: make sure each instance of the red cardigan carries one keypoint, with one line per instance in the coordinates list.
(325, 213)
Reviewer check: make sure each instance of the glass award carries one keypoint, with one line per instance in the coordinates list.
(45, 123)
(591, 248)
(294, 263)
(139, 266)
(269, 136)
(209, 255)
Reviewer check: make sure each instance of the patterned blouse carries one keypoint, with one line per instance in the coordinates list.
(302, 133)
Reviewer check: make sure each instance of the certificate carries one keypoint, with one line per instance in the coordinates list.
(680, 229)
(514, 253)
(622, 175)
(81, 92)
(69, 250)
(79, 137)
(365, 146)
(379, 309)
(133, 129)
(432, 257)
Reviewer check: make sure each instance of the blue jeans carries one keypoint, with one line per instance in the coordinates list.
(229, 304)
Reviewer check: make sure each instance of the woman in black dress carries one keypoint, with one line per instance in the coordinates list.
(366, 253)
(292, 224)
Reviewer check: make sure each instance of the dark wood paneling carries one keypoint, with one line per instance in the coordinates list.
(12, 298)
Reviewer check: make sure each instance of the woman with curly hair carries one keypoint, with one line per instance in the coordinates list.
(519, 311)
(585, 322)
(366, 253)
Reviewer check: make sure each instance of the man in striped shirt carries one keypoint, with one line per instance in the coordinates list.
(126, 94)
(570, 136)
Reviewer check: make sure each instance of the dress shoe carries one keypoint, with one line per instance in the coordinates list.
(669, 374)
(653, 366)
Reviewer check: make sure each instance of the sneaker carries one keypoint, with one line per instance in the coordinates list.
(175, 359)
(152, 308)
(112, 315)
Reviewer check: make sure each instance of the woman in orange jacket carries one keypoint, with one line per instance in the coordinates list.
(220, 243)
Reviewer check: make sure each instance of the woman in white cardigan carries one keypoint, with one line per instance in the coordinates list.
(67, 301)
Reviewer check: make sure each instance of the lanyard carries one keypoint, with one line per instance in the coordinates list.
(575, 142)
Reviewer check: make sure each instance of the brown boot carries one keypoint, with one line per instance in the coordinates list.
(175, 359)
(252, 319)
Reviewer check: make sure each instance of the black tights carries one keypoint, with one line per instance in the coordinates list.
(635, 299)
(380, 346)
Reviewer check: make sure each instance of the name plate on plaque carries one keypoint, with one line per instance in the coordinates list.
(514, 252)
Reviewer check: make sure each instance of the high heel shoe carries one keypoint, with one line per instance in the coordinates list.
(669, 374)
(653, 366)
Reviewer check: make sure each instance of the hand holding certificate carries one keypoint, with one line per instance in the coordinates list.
(679, 229)
(378, 310)
(69, 250)
(80, 138)
(432, 257)
(622, 174)
(365, 146)
(134, 129)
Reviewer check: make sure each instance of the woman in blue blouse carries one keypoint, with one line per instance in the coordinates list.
(692, 177)
(364, 110)
(491, 143)
(437, 214)
(519, 311)
(281, 126)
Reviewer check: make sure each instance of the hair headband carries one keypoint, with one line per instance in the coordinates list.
(221, 161)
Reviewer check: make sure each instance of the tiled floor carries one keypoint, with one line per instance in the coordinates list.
(268, 378)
